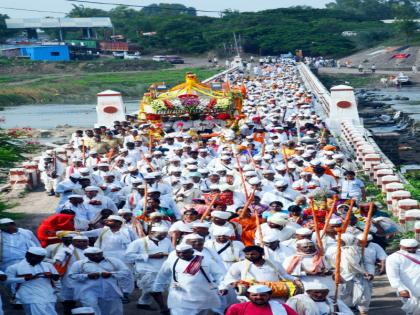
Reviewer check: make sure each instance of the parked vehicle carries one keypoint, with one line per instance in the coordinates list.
(159, 58)
(175, 59)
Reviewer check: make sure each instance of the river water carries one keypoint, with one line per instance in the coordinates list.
(413, 92)
(48, 116)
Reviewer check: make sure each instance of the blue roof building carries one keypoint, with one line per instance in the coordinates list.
(46, 53)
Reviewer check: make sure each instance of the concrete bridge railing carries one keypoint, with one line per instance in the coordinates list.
(342, 118)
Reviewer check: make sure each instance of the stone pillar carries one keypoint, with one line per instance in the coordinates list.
(343, 107)
(110, 107)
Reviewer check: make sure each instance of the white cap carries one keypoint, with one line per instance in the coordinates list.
(221, 214)
(201, 224)
(281, 167)
(259, 288)
(155, 214)
(92, 250)
(80, 238)
(185, 228)
(304, 242)
(75, 175)
(281, 183)
(409, 242)
(6, 221)
(39, 251)
(132, 168)
(183, 247)
(315, 162)
(270, 237)
(124, 211)
(360, 237)
(277, 219)
(303, 231)
(160, 229)
(254, 181)
(264, 172)
(92, 188)
(315, 285)
(222, 231)
(116, 218)
(192, 236)
(83, 310)
(84, 170)
(75, 196)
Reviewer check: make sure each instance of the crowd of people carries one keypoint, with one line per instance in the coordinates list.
(263, 214)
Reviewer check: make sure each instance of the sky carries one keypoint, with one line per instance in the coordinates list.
(65, 6)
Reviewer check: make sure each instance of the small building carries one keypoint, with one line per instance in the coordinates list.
(46, 53)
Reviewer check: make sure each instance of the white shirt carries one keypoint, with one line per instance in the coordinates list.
(37, 290)
(403, 274)
(139, 250)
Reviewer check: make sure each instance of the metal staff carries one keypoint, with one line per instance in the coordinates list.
(337, 267)
(241, 173)
(252, 160)
(138, 229)
(83, 152)
(367, 228)
(246, 205)
(206, 213)
(316, 226)
(329, 215)
(348, 216)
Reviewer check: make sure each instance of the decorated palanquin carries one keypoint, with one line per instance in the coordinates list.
(192, 99)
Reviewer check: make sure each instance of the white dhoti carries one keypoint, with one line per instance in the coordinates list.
(144, 283)
(40, 309)
(357, 292)
(411, 306)
(102, 306)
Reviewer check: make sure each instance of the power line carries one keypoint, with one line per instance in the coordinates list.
(139, 6)
(31, 10)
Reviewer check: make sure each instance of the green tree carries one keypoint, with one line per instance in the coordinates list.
(407, 27)
(5, 33)
(168, 9)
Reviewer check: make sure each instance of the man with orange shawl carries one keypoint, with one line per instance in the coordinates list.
(309, 265)
(63, 221)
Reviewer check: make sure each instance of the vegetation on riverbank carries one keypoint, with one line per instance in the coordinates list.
(80, 88)
(32, 69)
(354, 80)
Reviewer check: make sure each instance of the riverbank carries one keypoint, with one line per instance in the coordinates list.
(352, 77)
(82, 87)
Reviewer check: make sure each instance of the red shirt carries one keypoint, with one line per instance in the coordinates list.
(249, 308)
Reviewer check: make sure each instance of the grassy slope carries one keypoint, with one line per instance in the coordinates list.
(354, 80)
(79, 88)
